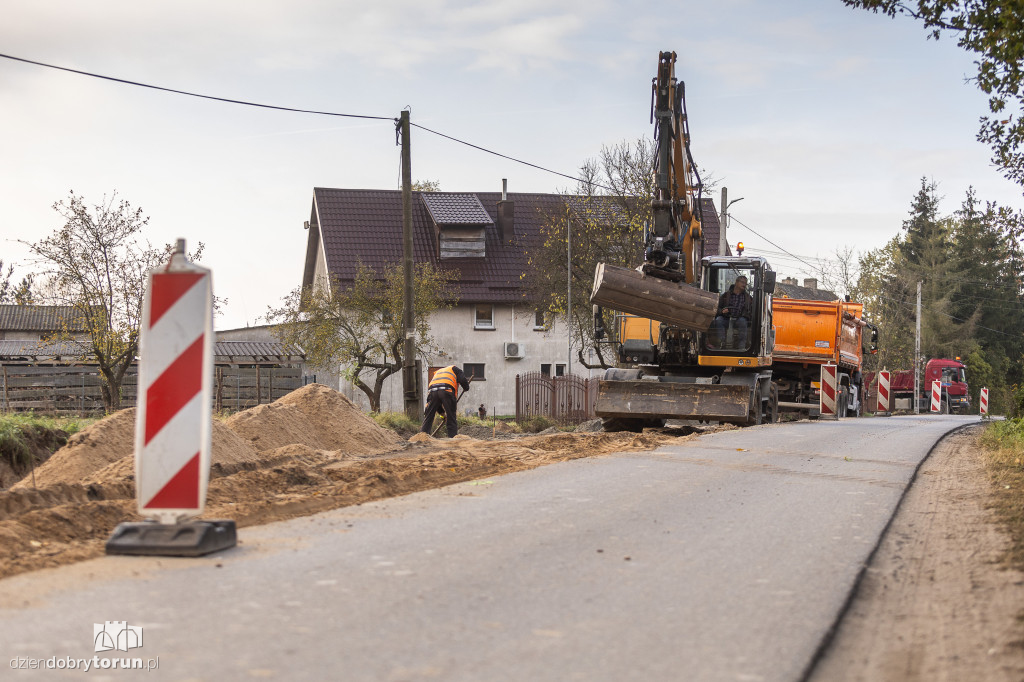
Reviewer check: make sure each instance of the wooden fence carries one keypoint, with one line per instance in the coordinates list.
(78, 390)
(566, 399)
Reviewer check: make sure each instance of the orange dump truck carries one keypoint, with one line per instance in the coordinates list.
(809, 334)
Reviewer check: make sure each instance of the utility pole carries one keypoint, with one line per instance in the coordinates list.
(410, 383)
(723, 239)
(568, 296)
(917, 355)
(723, 242)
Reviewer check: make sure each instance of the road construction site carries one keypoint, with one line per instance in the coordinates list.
(308, 452)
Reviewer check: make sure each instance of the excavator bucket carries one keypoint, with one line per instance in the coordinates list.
(629, 291)
(671, 400)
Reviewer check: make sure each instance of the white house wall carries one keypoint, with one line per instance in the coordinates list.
(454, 334)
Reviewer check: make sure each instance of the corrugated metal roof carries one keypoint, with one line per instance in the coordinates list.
(41, 318)
(17, 348)
(266, 349)
(455, 209)
(365, 227)
(223, 351)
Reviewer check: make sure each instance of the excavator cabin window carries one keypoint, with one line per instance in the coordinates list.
(735, 319)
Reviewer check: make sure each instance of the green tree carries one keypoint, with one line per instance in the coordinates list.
(18, 293)
(602, 221)
(359, 326)
(97, 262)
(426, 186)
(972, 302)
(993, 31)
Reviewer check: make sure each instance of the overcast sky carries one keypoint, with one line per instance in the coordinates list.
(823, 118)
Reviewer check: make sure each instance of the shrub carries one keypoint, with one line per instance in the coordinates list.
(396, 421)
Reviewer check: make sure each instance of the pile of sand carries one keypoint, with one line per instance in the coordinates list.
(317, 416)
(314, 416)
(104, 452)
(89, 450)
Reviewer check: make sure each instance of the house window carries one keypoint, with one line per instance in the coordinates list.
(560, 370)
(545, 369)
(483, 316)
(474, 370)
(539, 320)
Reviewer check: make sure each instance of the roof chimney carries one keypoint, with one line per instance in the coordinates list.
(506, 211)
(810, 283)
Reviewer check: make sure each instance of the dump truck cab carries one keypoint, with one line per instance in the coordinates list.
(738, 338)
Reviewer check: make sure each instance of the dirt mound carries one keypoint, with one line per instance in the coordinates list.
(104, 452)
(89, 450)
(316, 416)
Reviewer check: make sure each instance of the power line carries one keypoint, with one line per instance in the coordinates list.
(510, 158)
(192, 94)
(227, 100)
(817, 269)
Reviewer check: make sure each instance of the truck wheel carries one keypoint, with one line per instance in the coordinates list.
(771, 408)
(756, 406)
(944, 406)
(843, 402)
(855, 411)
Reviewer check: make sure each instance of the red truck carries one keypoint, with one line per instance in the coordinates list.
(956, 399)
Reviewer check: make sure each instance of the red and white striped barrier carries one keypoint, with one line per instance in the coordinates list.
(936, 402)
(883, 391)
(827, 394)
(172, 428)
(983, 402)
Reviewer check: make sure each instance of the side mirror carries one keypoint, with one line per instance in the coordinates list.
(769, 281)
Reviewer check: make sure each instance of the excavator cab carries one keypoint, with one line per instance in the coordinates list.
(741, 333)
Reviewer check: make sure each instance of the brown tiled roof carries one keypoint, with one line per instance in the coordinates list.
(365, 226)
(455, 209)
(40, 318)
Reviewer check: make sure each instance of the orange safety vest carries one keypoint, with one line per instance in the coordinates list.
(445, 377)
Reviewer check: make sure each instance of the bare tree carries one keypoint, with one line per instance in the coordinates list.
(97, 262)
(359, 326)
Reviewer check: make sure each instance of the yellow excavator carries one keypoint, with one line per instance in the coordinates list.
(682, 353)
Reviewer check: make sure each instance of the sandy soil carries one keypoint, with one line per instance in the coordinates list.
(935, 603)
(310, 451)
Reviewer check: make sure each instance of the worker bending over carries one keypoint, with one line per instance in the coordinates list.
(441, 395)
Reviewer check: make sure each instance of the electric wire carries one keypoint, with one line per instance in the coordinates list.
(510, 158)
(192, 94)
(228, 100)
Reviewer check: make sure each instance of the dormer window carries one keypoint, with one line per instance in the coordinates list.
(460, 223)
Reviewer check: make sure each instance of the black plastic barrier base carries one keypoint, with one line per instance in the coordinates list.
(192, 538)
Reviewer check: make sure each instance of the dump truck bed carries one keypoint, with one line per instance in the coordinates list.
(817, 332)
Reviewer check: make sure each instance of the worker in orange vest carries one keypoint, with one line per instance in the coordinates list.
(441, 394)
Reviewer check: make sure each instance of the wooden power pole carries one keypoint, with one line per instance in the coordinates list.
(410, 383)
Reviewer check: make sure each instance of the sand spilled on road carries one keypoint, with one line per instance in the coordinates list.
(310, 451)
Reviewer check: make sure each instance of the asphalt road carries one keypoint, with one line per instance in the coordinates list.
(729, 557)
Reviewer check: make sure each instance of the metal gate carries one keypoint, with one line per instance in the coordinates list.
(566, 399)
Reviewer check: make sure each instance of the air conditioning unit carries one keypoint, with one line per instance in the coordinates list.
(514, 350)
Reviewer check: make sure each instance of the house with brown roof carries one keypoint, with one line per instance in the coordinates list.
(494, 332)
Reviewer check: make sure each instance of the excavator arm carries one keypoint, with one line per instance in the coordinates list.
(671, 251)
